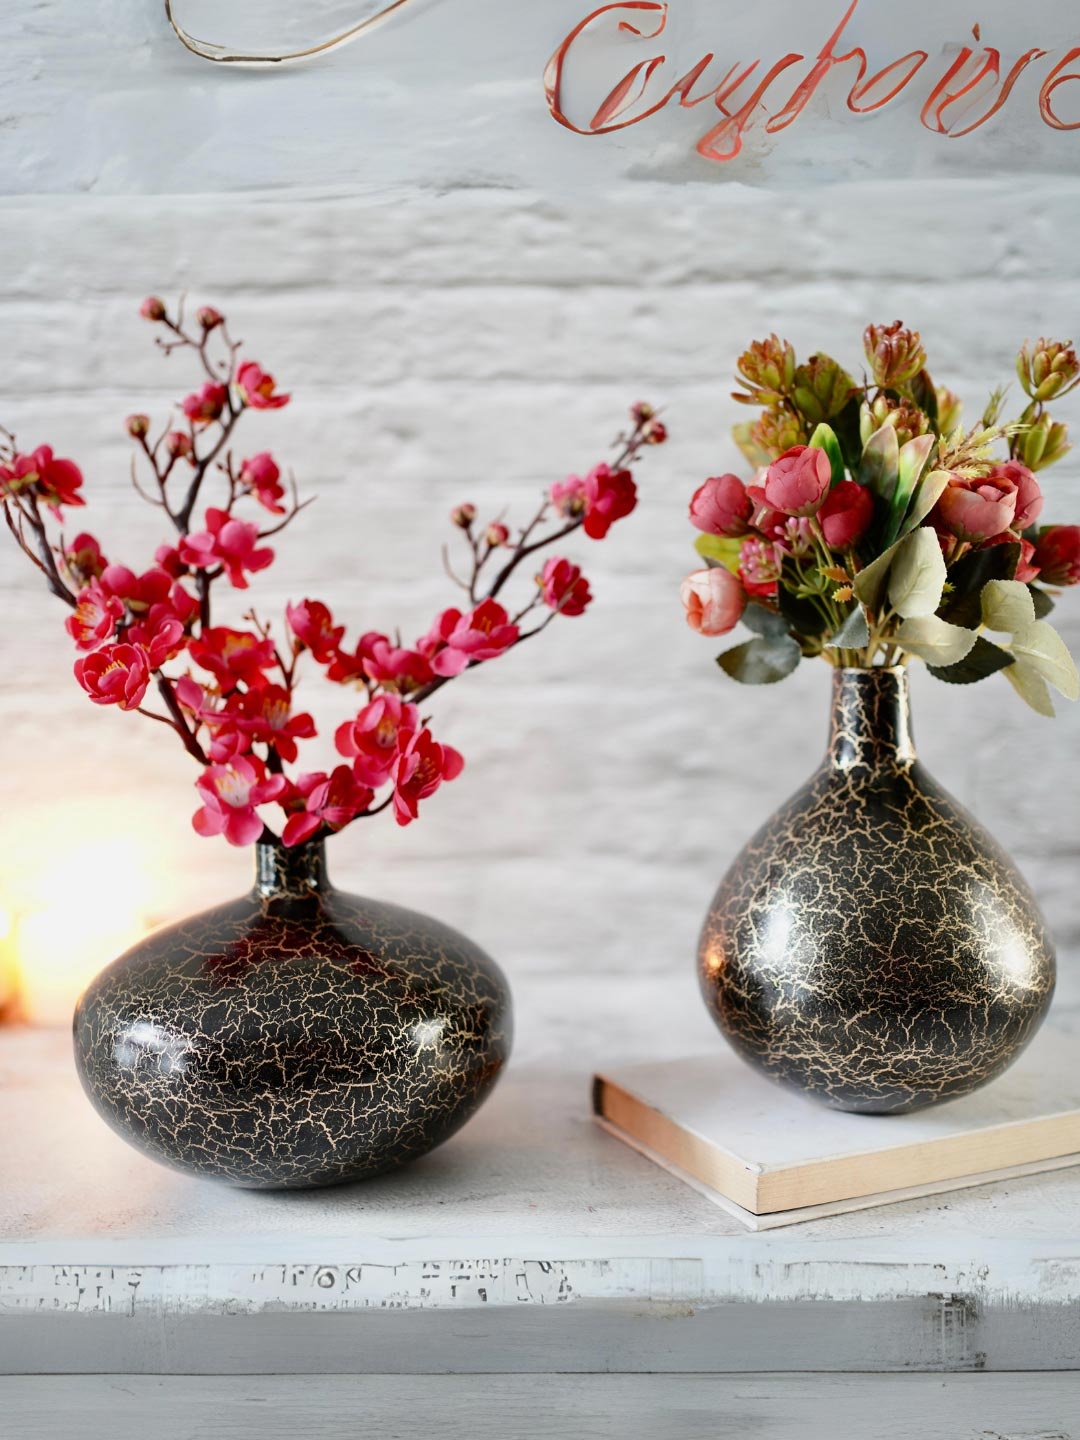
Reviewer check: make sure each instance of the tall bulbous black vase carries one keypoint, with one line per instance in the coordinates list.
(873, 946)
(297, 1037)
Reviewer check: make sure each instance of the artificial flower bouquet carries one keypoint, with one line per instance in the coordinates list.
(878, 529)
(148, 641)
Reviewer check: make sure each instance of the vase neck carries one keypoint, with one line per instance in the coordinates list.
(290, 873)
(871, 720)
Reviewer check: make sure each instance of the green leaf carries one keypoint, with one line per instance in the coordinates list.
(761, 661)
(824, 438)
(879, 467)
(963, 605)
(918, 575)
(743, 436)
(763, 621)
(1007, 606)
(870, 584)
(802, 615)
(854, 633)
(1031, 687)
(982, 659)
(923, 391)
(934, 640)
(1040, 645)
(1044, 605)
(926, 497)
(719, 550)
(846, 429)
(913, 458)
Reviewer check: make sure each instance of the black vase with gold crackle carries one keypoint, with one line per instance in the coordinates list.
(298, 1037)
(873, 946)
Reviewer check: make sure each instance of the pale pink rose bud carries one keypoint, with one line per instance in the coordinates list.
(714, 601)
(722, 507)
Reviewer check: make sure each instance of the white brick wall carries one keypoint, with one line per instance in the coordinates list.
(476, 348)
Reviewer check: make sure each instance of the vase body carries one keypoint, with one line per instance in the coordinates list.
(296, 1037)
(872, 945)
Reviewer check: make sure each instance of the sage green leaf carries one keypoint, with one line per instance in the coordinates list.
(1007, 606)
(918, 575)
(763, 621)
(1031, 687)
(925, 498)
(1044, 605)
(719, 550)
(879, 467)
(1040, 645)
(743, 435)
(982, 659)
(803, 616)
(913, 458)
(870, 584)
(854, 633)
(824, 438)
(934, 640)
(969, 576)
(761, 661)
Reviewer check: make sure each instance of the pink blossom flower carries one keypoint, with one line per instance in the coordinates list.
(167, 558)
(233, 656)
(846, 515)
(497, 534)
(390, 665)
(421, 768)
(206, 404)
(458, 640)
(798, 481)
(722, 507)
(95, 617)
(257, 387)
(760, 564)
(45, 476)
(1029, 496)
(84, 559)
(233, 544)
(262, 477)
(313, 626)
(263, 714)
(178, 446)
(1057, 554)
(610, 495)
(564, 587)
(976, 509)
(713, 600)
(231, 794)
(331, 800)
(568, 496)
(372, 740)
(115, 675)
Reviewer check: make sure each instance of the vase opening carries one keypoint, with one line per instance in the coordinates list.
(871, 719)
(290, 874)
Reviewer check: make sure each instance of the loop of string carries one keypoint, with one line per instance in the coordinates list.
(220, 55)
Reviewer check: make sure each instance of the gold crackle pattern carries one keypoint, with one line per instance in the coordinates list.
(297, 1037)
(873, 945)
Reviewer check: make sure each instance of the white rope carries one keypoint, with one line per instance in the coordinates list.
(208, 50)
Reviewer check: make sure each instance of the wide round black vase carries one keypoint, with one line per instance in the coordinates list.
(297, 1037)
(873, 946)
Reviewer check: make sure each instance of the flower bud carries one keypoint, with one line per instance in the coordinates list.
(895, 354)
(1044, 443)
(153, 309)
(1057, 554)
(1048, 368)
(137, 426)
(497, 535)
(767, 370)
(949, 407)
(654, 432)
(776, 432)
(821, 389)
(641, 413)
(177, 445)
(463, 516)
(209, 318)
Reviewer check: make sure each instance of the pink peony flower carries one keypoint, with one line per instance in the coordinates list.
(115, 675)
(257, 387)
(330, 800)
(45, 476)
(95, 617)
(798, 481)
(373, 739)
(713, 600)
(232, 544)
(263, 715)
(1057, 554)
(205, 405)
(230, 794)
(846, 515)
(262, 478)
(421, 768)
(456, 640)
(313, 626)
(722, 507)
(565, 588)
(232, 656)
(610, 495)
(760, 564)
(976, 509)
(1029, 496)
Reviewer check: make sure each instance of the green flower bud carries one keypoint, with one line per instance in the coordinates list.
(767, 370)
(1048, 369)
(1043, 443)
(821, 389)
(894, 353)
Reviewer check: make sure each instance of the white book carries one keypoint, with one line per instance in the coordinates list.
(773, 1157)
